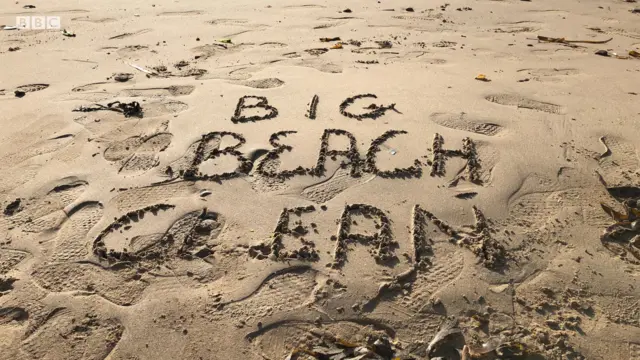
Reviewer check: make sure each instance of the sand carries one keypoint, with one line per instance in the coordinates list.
(258, 193)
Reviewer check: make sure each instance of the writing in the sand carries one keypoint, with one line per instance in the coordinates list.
(206, 148)
(381, 242)
(256, 108)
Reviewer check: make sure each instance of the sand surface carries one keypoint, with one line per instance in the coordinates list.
(258, 193)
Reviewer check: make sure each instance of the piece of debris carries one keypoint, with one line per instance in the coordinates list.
(140, 68)
(122, 77)
(565, 41)
(443, 44)
(635, 11)
(623, 237)
(327, 39)
(384, 44)
(11, 49)
(448, 327)
(225, 41)
(409, 9)
(19, 93)
(632, 53)
(317, 52)
(489, 346)
(373, 345)
(160, 68)
(602, 53)
(127, 109)
(347, 10)
(482, 77)
(337, 46)
(13, 207)
(180, 64)
(29, 7)
(68, 33)
(466, 195)
(313, 107)
(7, 27)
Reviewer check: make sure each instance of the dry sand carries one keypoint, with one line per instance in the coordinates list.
(436, 201)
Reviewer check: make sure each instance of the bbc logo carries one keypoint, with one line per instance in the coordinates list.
(38, 22)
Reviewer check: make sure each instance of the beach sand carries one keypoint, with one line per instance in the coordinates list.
(286, 179)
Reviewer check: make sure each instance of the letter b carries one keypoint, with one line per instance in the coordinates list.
(38, 22)
(23, 22)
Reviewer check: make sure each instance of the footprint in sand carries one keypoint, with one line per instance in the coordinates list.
(86, 334)
(130, 51)
(539, 201)
(70, 243)
(268, 83)
(10, 258)
(44, 210)
(138, 153)
(446, 268)
(137, 198)
(325, 67)
(186, 247)
(174, 90)
(464, 122)
(18, 175)
(204, 52)
(273, 45)
(488, 157)
(121, 286)
(550, 74)
(32, 87)
(340, 181)
(280, 292)
(619, 160)
(525, 103)
(71, 266)
(42, 147)
(23, 309)
(89, 87)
